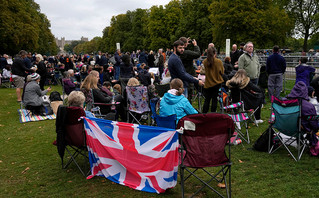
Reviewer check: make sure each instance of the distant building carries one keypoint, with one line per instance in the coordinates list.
(62, 42)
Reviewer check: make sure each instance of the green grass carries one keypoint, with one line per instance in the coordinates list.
(30, 165)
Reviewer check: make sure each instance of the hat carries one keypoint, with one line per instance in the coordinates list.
(35, 76)
(310, 90)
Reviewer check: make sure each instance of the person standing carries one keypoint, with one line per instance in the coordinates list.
(234, 55)
(214, 71)
(304, 71)
(177, 69)
(117, 57)
(275, 67)
(19, 73)
(249, 61)
(187, 59)
(161, 61)
(42, 70)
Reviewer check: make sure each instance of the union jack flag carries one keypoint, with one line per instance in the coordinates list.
(140, 157)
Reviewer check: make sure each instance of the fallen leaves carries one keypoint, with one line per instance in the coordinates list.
(221, 185)
(25, 170)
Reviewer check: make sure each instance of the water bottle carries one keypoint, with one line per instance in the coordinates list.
(113, 103)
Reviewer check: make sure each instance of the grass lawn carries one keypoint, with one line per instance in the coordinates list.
(30, 165)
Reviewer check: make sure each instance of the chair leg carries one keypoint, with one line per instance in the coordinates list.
(182, 180)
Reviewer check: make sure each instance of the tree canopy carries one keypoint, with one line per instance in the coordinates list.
(264, 22)
(23, 26)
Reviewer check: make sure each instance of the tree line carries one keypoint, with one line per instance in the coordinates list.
(264, 22)
(287, 23)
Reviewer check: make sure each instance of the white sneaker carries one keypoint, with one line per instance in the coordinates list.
(259, 121)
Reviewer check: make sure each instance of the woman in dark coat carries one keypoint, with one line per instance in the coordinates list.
(242, 89)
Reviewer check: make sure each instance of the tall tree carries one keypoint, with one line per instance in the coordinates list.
(24, 27)
(249, 20)
(306, 16)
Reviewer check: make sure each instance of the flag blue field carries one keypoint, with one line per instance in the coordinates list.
(140, 157)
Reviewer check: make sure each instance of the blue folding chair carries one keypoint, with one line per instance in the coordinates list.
(161, 121)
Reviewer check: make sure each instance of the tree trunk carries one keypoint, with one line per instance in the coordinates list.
(305, 42)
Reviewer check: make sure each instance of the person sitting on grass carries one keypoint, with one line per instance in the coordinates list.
(174, 102)
(32, 96)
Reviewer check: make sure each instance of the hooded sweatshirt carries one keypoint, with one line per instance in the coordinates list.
(300, 91)
(173, 104)
(303, 72)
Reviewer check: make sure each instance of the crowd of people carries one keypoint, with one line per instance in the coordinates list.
(103, 77)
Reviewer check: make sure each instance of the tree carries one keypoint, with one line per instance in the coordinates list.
(306, 16)
(262, 22)
(24, 27)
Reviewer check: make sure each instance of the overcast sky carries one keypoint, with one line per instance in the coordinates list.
(73, 19)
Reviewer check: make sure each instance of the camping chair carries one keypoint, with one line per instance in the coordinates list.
(203, 143)
(6, 82)
(162, 121)
(71, 136)
(162, 89)
(137, 104)
(281, 111)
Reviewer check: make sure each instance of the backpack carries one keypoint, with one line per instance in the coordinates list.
(55, 96)
(261, 143)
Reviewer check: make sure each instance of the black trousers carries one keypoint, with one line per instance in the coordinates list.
(211, 94)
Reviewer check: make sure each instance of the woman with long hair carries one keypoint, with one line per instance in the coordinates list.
(242, 89)
(214, 71)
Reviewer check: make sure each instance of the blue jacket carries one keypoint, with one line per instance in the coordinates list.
(177, 70)
(276, 64)
(179, 105)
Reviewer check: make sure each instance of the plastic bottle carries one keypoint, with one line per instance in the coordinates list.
(113, 103)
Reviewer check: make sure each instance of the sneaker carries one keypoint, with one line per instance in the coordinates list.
(259, 121)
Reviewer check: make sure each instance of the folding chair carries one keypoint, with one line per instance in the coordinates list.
(162, 89)
(240, 115)
(71, 137)
(286, 120)
(6, 82)
(96, 109)
(162, 121)
(137, 104)
(203, 143)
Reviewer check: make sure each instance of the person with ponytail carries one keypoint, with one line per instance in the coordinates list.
(214, 71)
(174, 102)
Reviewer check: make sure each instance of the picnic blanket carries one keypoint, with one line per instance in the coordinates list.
(25, 116)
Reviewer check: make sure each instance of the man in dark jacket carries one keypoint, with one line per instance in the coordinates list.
(177, 69)
(187, 59)
(19, 73)
(234, 55)
(275, 67)
(143, 57)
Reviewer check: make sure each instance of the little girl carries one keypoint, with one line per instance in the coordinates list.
(173, 102)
